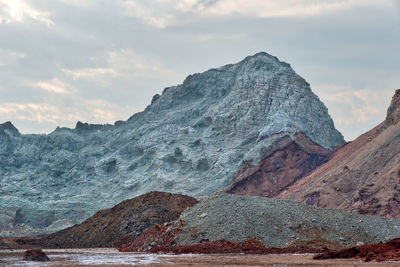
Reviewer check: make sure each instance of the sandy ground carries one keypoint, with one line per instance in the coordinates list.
(111, 257)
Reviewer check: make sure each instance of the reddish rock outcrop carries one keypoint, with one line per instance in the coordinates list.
(378, 252)
(362, 177)
(287, 160)
(35, 255)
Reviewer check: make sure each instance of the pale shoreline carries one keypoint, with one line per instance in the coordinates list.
(111, 257)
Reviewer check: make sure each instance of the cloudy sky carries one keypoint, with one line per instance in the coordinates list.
(102, 60)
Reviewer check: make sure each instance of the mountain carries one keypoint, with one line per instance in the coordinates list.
(363, 176)
(192, 140)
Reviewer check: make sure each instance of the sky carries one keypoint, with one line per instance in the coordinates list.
(98, 61)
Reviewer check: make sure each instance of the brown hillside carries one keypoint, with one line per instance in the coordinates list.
(362, 177)
(115, 226)
(286, 160)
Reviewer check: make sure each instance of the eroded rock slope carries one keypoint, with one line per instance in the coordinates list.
(191, 139)
(363, 176)
(281, 164)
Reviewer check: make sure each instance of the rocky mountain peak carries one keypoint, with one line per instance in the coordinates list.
(9, 128)
(260, 90)
(262, 59)
(393, 112)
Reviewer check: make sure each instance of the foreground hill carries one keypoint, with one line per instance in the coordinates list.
(362, 177)
(264, 221)
(112, 227)
(191, 140)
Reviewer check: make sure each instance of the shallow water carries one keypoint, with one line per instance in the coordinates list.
(111, 257)
(84, 257)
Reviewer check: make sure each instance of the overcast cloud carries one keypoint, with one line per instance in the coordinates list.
(102, 60)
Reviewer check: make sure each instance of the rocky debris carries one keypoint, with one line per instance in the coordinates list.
(389, 251)
(191, 140)
(362, 177)
(122, 223)
(156, 235)
(272, 222)
(284, 162)
(35, 255)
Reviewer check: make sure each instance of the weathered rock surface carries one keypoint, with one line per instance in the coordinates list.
(115, 226)
(389, 251)
(8, 128)
(191, 140)
(284, 162)
(272, 222)
(362, 177)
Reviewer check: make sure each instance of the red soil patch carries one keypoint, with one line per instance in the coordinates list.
(370, 252)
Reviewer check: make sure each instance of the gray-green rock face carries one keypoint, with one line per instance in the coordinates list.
(189, 140)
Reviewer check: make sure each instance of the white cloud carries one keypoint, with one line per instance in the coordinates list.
(152, 15)
(353, 106)
(31, 112)
(164, 13)
(101, 110)
(53, 86)
(217, 37)
(262, 8)
(79, 3)
(121, 64)
(20, 11)
(130, 64)
(91, 73)
(96, 111)
(8, 57)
